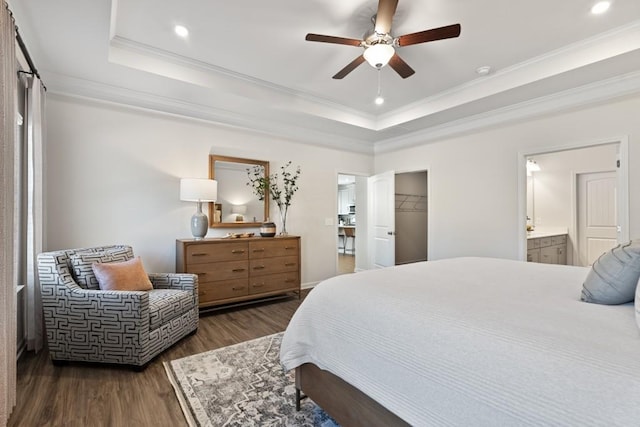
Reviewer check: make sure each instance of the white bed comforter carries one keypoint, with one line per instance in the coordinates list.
(474, 342)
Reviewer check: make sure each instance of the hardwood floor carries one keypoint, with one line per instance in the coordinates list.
(96, 395)
(346, 263)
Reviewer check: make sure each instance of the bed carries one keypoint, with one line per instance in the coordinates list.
(466, 341)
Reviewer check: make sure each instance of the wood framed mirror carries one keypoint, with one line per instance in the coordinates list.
(237, 206)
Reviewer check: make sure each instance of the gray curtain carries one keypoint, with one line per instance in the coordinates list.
(34, 218)
(8, 272)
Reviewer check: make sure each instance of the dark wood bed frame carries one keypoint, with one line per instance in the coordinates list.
(342, 401)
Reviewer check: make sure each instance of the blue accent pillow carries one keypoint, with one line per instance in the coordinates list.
(613, 278)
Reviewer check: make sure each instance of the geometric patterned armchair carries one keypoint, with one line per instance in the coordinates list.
(85, 323)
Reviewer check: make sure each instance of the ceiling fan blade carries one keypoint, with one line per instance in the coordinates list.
(448, 32)
(384, 17)
(400, 66)
(332, 39)
(349, 68)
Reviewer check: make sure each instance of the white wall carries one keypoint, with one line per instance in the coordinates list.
(362, 224)
(474, 202)
(113, 177)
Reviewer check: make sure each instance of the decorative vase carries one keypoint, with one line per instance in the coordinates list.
(268, 229)
(283, 218)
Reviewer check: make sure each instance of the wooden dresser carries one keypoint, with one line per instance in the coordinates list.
(235, 270)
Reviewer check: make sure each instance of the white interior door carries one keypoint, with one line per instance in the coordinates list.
(382, 219)
(597, 215)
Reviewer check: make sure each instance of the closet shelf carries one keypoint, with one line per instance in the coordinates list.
(410, 203)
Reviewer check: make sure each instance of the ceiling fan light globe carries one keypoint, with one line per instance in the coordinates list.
(379, 54)
(379, 100)
(600, 7)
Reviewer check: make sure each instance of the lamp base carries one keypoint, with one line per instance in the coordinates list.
(199, 224)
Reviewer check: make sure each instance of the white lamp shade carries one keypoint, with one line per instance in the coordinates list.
(239, 209)
(198, 190)
(379, 54)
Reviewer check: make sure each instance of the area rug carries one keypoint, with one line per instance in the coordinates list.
(241, 385)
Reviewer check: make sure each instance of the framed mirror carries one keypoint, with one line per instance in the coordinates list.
(237, 205)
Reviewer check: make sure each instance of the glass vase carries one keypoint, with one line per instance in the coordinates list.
(283, 219)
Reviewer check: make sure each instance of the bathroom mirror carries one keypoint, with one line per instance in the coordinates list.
(237, 205)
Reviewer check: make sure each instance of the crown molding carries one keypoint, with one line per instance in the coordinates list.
(140, 56)
(74, 87)
(583, 96)
(600, 47)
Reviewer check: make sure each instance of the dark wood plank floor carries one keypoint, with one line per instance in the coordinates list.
(95, 395)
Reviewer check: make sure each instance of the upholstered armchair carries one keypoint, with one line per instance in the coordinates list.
(85, 323)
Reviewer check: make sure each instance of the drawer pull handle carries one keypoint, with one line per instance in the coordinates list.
(199, 254)
(289, 281)
(258, 250)
(237, 251)
(289, 264)
(258, 267)
(237, 289)
(237, 270)
(201, 274)
(286, 248)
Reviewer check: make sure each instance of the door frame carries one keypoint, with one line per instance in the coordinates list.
(623, 186)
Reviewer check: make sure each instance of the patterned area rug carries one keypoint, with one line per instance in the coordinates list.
(241, 385)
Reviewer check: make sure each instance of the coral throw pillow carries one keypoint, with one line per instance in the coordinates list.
(122, 276)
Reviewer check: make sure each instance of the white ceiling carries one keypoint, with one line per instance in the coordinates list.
(246, 63)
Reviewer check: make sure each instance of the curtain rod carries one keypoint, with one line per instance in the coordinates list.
(24, 49)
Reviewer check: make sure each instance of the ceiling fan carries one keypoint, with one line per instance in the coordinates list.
(379, 45)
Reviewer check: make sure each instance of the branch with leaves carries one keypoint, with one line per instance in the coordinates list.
(280, 186)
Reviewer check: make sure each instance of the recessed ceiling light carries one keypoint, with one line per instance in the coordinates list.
(484, 70)
(600, 7)
(379, 100)
(181, 31)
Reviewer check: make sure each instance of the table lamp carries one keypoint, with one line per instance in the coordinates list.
(198, 190)
(239, 210)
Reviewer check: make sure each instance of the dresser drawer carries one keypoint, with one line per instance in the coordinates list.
(259, 267)
(533, 243)
(220, 271)
(273, 248)
(273, 282)
(200, 254)
(212, 291)
(558, 240)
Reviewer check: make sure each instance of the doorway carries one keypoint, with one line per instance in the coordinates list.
(556, 197)
(411, 217)
(398, 218)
